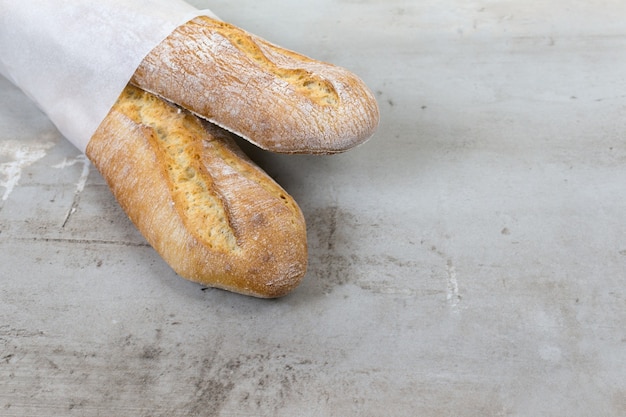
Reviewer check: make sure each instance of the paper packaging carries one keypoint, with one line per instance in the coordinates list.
(74, 57)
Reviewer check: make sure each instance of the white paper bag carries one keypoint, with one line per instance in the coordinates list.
(74, 57)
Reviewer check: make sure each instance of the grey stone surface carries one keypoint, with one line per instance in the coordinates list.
(468, 261)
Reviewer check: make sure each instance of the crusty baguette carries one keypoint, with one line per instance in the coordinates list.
(214, 216)
(277, 99)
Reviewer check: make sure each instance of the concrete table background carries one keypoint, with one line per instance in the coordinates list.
(469, 260)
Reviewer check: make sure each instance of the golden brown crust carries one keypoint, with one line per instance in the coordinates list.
(212, 214)
(275, 98)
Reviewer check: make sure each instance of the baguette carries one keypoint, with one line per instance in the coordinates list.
(213, 215)
(277, 99)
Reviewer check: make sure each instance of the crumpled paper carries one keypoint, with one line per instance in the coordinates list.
(73, 58)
